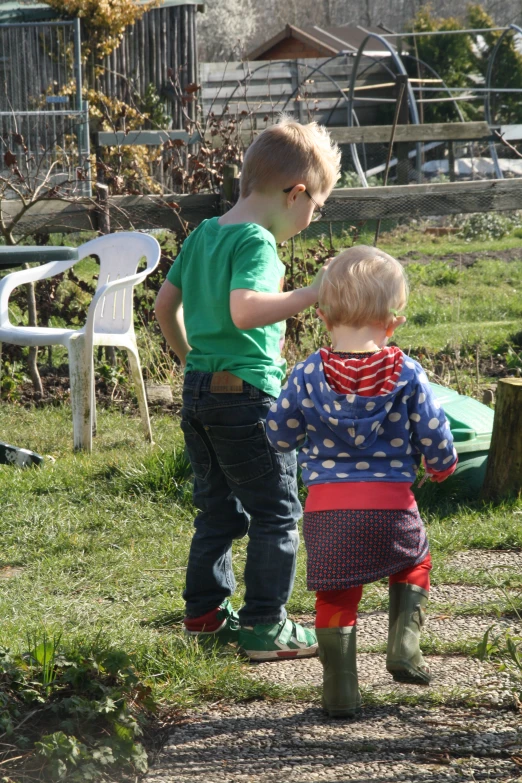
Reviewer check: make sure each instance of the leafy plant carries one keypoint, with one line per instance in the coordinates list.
(80, 712)
(486, 225)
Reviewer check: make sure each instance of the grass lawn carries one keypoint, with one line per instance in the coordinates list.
(97, 547)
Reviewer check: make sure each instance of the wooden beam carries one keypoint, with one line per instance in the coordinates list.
(344, 204)
(380, 134)
(446, 198)
(143, 137)
(125, 213)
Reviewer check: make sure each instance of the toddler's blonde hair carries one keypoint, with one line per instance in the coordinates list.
(289, 153)
(361, 286)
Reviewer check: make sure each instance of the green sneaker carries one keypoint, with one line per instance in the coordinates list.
(275, 642)
(226, 632)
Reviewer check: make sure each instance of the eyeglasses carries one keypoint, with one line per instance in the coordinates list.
(319, 213)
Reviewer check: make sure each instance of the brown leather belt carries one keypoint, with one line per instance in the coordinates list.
(225, 383)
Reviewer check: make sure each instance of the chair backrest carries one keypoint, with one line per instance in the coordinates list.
(119, 255)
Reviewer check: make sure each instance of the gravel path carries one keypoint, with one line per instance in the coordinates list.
(468, 728)
(276, 743)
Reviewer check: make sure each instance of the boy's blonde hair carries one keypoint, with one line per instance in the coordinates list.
(361, 286)
(289, 153)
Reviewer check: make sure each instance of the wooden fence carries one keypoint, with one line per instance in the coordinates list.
(347, 204)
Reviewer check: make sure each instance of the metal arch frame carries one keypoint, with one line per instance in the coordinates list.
(438, 76)
(243, 82)
(412, 104)
(487, 99)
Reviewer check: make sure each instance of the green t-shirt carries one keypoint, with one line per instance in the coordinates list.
(214, 261)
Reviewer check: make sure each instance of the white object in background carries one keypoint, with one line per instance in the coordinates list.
(110, 320)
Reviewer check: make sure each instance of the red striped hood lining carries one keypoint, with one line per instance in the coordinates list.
(367, 375)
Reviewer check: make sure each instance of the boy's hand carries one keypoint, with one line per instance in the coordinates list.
(316, 282)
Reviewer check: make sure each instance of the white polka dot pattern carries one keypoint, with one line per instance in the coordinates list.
(388, 439)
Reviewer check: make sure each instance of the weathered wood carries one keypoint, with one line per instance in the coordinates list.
(354, 204)
(380, 134)
(143, 137)
(412, 201)
(504, 470)
(126, 213)
(103, 218)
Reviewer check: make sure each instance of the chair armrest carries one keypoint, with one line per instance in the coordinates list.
(23, 276)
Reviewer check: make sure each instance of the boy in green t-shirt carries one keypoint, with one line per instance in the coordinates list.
(220, 310)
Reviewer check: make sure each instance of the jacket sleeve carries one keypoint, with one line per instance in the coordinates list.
(286, 426)
(430, 429)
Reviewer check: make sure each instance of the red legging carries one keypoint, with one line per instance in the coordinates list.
(338, 608)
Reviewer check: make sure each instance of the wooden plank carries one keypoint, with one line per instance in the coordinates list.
(380, 134)
(435, 131)
(447, 198)
(142, 137)
(126, 213)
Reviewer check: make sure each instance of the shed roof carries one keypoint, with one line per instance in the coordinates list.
(328, 40)
(12, 11)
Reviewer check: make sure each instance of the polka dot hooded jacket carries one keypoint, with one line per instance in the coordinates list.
(349, 437)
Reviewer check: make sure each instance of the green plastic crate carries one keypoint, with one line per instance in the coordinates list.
(471, 425)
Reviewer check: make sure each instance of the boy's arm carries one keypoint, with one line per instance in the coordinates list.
(251, 309)
(169, 313)
(430, 432)
(286, 426)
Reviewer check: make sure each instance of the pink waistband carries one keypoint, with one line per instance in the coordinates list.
(360, 495)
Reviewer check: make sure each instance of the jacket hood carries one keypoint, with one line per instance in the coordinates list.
(359, 417)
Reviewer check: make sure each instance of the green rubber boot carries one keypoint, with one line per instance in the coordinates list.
(337, 652)
(406, 617)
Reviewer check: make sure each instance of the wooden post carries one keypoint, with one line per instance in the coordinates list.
(103, 219)
(504, 470)
(451, 161)
(403, 163)
(230, 186)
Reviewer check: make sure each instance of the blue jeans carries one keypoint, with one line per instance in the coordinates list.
(241, 485)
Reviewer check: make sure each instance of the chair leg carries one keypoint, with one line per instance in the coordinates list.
(93, 408)
(137, 378)
(82, 382)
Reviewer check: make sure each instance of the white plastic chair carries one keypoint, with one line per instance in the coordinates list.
(110, 321)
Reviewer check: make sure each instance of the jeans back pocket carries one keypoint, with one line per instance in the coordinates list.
(243, 451)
